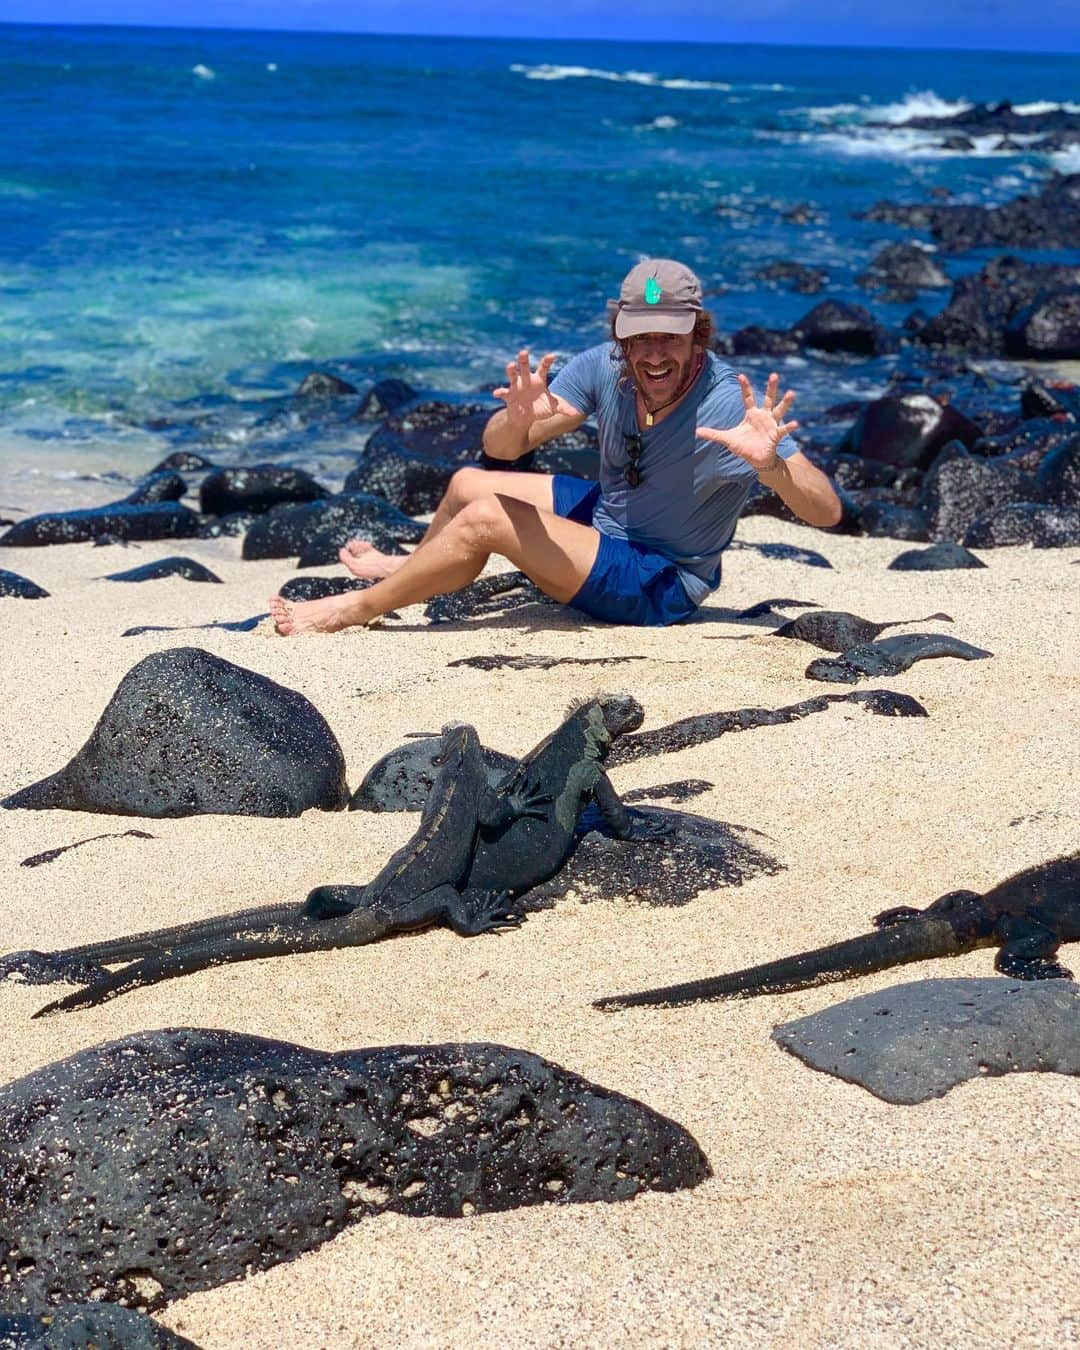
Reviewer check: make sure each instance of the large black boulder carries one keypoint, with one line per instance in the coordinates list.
(1058, 477)
(901, 270)
(984, 304)
(757, 341)
(120, 520)
(907, 430)
(793, 276)
(1026, 523)
(1048, 329)
(402, 778)
(958, 492)
(288, 531)
(187, 733)
(173, 1161)
(257, 488)
(833, 326)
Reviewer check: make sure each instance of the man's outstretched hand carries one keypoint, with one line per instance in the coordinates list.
(526, 393)
(762, 429)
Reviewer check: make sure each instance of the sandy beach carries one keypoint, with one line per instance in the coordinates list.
(832, 1218)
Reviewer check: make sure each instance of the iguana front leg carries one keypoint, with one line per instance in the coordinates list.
(623, 823)
(499, 807)
(1028, 951)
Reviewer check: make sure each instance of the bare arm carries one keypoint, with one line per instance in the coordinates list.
(533, 414)
(803, 487)
(794, 480)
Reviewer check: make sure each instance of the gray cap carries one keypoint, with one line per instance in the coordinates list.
(659, 295)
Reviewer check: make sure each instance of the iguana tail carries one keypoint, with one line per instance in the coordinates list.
(917, 940)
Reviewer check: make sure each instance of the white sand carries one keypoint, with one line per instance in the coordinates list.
(833, 1219)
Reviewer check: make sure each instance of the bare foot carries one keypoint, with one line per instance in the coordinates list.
(329, 615)
(366, 562)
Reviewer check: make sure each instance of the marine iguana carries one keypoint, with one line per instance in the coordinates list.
(835, 630)
(564, 770)
(1028, 916)
(423, 883)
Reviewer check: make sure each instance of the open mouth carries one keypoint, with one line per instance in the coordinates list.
(657, 376)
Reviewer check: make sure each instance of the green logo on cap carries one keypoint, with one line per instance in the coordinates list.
(652, 291)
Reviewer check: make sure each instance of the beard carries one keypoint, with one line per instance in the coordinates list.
(677, 378)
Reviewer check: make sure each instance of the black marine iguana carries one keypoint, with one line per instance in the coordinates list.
(423, 883)
(1028, 916)
(565, 770)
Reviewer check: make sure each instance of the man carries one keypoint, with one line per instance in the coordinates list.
(682, 442)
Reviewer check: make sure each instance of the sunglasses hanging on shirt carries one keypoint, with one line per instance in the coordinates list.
(635, 448)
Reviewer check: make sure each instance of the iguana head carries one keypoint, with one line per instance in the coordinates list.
(455, 741)
(621, 712)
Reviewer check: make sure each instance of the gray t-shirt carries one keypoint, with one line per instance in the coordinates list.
(691, 491)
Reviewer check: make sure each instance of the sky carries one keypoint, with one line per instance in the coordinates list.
(1004, 25)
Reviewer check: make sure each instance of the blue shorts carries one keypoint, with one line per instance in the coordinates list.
(629, 583)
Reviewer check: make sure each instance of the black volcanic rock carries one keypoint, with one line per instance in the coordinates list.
(187, 733)
(402, 778)
(756, 341)
(385, 398)
(1026, 523)
(257, 488)
(1058, 477)
(907, 430)
(173, 1161)
(1047, 329)
(120, 520)
(959, 491)
(16, 587)
(888, 520)
(288, 531)
(164, 485)
(833, 326)
(793, 276)
(1049, 219)
(936, 558)
(185, 461)
(321, 384)
(87, 1326)
(187, 568)
(902, 270)
(983, 304)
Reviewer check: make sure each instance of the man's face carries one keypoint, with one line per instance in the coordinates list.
(660, 363)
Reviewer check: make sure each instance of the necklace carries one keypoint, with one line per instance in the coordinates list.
(650, 411)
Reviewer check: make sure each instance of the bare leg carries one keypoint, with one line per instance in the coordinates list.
(555, 553)
(467, 485)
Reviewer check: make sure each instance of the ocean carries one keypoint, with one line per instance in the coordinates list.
(194, 220)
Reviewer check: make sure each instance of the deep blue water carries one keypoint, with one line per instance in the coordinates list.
(190, 221)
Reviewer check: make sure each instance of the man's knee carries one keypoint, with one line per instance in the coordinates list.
(483, 520)
(465, 486)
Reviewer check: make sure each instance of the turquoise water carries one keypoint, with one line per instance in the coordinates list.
(192, 220)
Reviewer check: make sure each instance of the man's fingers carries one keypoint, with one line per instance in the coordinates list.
(709, 434)
(772, 385)
(783, 407)
(546, 362)
(502, 393)
(787, 429)
(747, 390)
(523, 364)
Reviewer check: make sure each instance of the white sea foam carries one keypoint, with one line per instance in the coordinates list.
(924, 103)
(1067, 161)
(1032, 109)
(271, 65)
(909, 143)
(203, 72)
(662, 123)
(646, 77)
